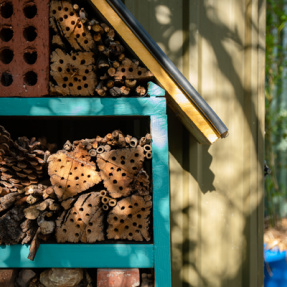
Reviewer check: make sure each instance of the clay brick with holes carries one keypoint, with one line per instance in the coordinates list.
(24, 48)
(118, 277)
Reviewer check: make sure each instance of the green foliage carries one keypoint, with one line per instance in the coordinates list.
(276, 113)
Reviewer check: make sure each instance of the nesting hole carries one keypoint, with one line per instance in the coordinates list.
(122, 221)
(6, 79)
(30, 33)
(6, 56)
(6, 34)
(30, 78)
(30, 10)
(6, 10)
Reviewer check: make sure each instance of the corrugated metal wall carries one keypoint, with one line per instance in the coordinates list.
(216, 192)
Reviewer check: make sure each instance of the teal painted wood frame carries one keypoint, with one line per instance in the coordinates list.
(156, 255)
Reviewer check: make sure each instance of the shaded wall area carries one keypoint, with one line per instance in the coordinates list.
(217, 191)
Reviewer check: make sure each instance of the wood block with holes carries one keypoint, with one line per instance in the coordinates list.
(72, 172)
(118, 169)
(130, 219)
(83, 222)
(72, 74)
(67, 24)
(130, 70)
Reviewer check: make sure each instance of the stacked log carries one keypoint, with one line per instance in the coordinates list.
(89, 58)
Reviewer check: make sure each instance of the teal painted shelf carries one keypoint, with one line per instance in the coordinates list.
(156, 255)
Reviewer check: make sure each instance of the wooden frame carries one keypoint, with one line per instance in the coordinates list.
(156, 255)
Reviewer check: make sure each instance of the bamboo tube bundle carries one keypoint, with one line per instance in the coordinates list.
(83, 222)
(118, 168)
(72, 73)
(130, 219)
(72, 172)
(106, 200)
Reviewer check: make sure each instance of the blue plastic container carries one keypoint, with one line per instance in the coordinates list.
(275, 268)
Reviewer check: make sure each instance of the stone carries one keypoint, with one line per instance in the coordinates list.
(62, 277)
(24, 277)
(118, 277)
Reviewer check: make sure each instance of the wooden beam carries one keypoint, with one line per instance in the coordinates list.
(190, 115)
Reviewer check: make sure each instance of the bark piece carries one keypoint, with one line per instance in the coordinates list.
(73, 73)
(10, 222)
(8, 200)
(118, 169)
(83, 222)
(72, 172)
(130, 219)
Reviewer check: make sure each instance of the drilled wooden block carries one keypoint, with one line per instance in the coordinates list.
(66, 21)
(24, 48)
(130, 219)
(83, 222)
(118, 169)
(118, 277)
(73, 74)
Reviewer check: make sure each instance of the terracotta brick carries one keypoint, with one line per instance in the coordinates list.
(7, 277)
(24, 48)
(118, 278)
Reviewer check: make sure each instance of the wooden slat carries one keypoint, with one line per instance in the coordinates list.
(186, 110)
(79, 255)
(82, 107)
(161, 201)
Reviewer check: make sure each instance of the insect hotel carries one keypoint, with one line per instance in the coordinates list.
(84, 146)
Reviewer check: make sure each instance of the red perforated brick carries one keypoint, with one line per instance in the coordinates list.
(118, 278)
(24, 48)
(7, 277)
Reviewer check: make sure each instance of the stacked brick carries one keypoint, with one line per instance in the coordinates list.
(24, 48)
